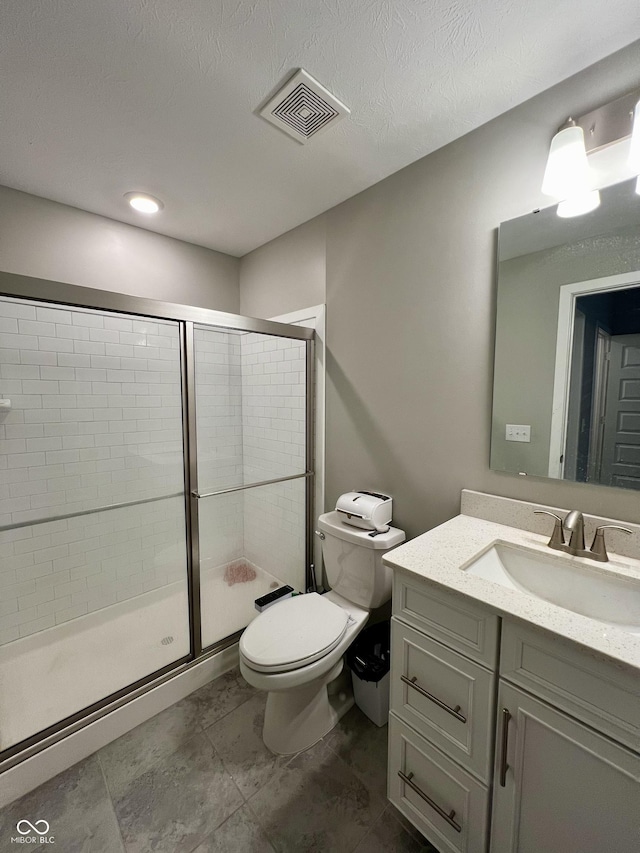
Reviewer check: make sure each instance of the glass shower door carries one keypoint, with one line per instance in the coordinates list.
(93, 556)
(251, 409)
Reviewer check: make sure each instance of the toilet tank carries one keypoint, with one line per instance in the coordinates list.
(353, 560)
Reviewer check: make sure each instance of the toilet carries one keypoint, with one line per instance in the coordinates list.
(294, 649)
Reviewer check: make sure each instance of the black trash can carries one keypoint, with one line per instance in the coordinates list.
(369, 659)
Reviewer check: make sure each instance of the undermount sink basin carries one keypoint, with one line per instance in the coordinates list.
(599, 594)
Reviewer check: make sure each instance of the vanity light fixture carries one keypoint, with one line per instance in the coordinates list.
(569, 177)
(144, 203)
(567, 171)
(578, 204)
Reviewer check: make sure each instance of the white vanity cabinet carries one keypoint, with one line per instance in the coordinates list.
(552, 766)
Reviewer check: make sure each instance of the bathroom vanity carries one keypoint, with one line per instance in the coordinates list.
(514, 722)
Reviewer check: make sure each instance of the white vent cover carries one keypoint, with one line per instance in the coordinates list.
(303, 108)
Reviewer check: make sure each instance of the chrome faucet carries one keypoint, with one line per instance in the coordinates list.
(574, 524)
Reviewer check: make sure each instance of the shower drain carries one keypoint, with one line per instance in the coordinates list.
(166, 641)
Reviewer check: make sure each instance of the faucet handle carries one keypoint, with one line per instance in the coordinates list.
(557, 537)
(598, 547)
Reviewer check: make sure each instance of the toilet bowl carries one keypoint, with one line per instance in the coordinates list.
(294, 650)
(296, 663)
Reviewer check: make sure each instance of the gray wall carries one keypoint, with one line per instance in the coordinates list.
(287, 274)
(410, 291)
(44, 239)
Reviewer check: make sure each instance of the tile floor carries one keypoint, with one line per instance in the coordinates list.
(198, 779)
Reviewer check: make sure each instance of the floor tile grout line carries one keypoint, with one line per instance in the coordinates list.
(357, 775)
(153, 763)
(162, 758)
(260, 824)
(213, 831)
(197, 724)
(412, 831)
(349, 770)
(246, 798)
(233, 781)
(226, 770)
(112, 804)
(352, 771)
(226, 713)
(375, 824)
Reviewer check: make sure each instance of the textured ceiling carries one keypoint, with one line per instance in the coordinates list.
(98, 98)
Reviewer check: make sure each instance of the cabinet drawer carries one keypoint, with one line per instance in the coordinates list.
(593, 690)
(452, 619)
(446, 697)
(446, 804)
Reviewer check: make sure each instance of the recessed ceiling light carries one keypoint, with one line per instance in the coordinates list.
(144, 203)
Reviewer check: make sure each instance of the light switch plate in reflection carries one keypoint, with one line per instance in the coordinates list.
(518, 432)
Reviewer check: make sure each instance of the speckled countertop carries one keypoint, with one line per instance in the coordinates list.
(440, 555)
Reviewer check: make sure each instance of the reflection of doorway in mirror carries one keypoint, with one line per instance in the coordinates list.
(595, 429)
(620, 455)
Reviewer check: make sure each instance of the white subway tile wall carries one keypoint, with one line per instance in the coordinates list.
(218, 408)
(95, 420)
(219, 454)
(96, 411)
(56, 571)
(274, 530)
(273, 443)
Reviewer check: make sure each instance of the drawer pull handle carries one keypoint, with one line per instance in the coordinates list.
(455, 712)
(506, 716)
(448, 816)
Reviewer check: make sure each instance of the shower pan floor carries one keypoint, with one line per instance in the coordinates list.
(55, 673)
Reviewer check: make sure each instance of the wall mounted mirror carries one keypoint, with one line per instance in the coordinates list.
(566, 395)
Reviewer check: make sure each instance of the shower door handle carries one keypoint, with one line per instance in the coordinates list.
(199, 495)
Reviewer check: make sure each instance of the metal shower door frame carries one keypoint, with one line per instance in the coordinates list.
(78, 298)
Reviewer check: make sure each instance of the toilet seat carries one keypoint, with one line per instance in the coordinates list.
(293, 633)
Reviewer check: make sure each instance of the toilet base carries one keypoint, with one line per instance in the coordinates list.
(297, 718)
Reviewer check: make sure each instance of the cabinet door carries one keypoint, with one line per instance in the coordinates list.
(566, 788)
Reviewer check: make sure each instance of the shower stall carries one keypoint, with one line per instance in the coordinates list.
(156, 477)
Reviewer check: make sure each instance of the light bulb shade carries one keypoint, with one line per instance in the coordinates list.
(634, 151)
(579, 204)
(567, 173)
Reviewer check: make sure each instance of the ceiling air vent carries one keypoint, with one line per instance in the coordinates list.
(303, 108)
